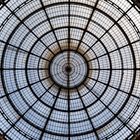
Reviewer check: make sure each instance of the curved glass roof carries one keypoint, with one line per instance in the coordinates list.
(70, 69)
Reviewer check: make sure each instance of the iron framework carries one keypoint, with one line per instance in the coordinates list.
(70, 69)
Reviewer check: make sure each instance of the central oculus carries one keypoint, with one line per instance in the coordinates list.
(68, 69)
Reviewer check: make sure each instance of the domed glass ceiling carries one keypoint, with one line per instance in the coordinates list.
(70, 69)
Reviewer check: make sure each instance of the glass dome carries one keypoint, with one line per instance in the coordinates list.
(69, 69)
